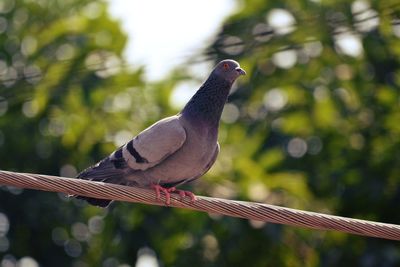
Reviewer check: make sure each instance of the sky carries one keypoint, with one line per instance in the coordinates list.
(163, 34)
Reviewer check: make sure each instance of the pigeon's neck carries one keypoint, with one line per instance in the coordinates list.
(207, 104)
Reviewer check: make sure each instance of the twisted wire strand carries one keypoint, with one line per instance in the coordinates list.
(233, 208)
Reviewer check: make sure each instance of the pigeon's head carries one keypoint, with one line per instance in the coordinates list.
(229, 70)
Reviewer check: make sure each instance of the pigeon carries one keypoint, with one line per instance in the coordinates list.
(174, 150)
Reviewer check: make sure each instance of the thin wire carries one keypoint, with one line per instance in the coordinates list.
(233, 208)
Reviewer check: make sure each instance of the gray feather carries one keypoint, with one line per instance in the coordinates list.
(105, 171)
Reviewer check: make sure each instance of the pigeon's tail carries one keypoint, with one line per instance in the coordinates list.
(106, 172)
(103, 203)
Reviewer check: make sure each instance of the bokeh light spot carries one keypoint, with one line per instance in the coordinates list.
(297, 147)
(33, 74)
(3, 106)
(30, 109)
(182, 93)
(396, 27)
(9, 77)
(59, 236)
(28, 45)
(3, 67)
(357, 141)
(4, 224)
(321, 93)
(275, 99)
(96, 224)
(8, 261)
(12, 44)
(344, 72)
(285, 59)
(14, 190)
(3, 24)
(366, 19)
(27, 262)
(92, 10)
(262, 32)
(73, 248)
(122, 137)
(281, 20)
(110, 262)
(313, 48)
(122, 102)
(230, 114)
(211, 248)
(257, 192)
(232, 45)
(65, 52)
(4, 244)
(349, 44)
(257, 224)
(68, 170)
(146, 257)
(6, 6)
(314, 144)
(80, 231)
(20, 17)
(93, 61)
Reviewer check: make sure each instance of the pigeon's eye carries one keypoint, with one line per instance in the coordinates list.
(226, 66)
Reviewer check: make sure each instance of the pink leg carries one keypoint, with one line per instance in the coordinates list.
(167, 191)
(158, 188)
(183, 193)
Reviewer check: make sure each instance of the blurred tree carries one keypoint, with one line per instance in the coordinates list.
(316, 120)
(66, 97)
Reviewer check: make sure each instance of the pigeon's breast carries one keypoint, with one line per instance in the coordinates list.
(190, 161)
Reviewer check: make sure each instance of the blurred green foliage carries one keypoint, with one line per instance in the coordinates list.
(314, 125)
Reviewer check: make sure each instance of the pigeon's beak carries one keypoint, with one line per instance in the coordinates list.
(240, 71)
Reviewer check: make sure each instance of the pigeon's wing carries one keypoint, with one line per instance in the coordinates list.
(146, 150)
(151, 146)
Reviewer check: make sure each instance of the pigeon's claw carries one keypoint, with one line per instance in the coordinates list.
(183, 194)
(167, 192)
(158, 188)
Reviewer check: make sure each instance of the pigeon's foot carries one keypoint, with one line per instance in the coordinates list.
(167, 192)
(183, 193)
